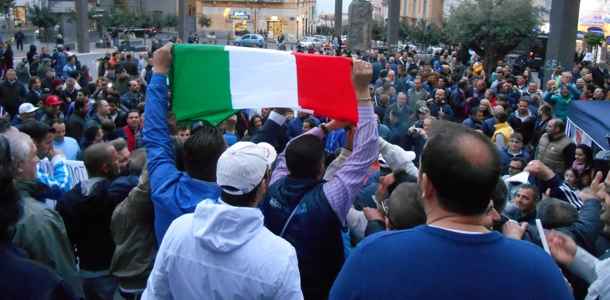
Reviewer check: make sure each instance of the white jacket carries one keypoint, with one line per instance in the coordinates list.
(223, 252)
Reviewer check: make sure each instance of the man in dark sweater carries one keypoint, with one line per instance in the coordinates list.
(455, 248)
(12, 93)
(87, 210)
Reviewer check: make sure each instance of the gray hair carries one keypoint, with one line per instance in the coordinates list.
(21, 145)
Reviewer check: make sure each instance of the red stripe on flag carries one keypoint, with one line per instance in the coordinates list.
(325, 86)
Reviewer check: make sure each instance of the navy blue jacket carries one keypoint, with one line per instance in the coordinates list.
(272, 133)
(87, 210)
(314, 231)
(21, 278)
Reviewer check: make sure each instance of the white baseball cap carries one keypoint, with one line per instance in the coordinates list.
(27, 108)
(242, 167)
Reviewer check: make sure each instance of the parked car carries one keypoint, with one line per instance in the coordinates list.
(311, 41)
(250, 40)
(163, 38)
(133, 45)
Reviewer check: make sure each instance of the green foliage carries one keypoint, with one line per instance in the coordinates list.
(6, 5)
(205, 21)
(43, 18)
(170, 21)
(132, 19)
(594, 39)
(492, 28)
(422, 32)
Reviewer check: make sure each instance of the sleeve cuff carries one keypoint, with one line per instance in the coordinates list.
(584, 265)
(277, 118)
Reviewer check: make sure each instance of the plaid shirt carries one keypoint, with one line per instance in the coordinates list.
(54, 174)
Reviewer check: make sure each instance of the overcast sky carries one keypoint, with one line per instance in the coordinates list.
(328, 6)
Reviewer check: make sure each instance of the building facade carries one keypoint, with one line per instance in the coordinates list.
(292, 18)
(430, 11)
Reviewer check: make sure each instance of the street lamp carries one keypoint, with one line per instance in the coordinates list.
(298, 19)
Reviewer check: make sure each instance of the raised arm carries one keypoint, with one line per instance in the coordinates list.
(347, 182)
(161, 156)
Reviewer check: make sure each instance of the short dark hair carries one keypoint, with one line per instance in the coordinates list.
(499, 195)
(532, 188)
(404, 206)
(304, 157)
(546, 109)
(202, 150)
(36, 130)
(133, 111)
(96, 156)
(463, 166)
(559, 123)
(240, 200)
(555, 213)
(57, 121)
(501, 116)
(137, 161)
(519, 159)
(119, 144)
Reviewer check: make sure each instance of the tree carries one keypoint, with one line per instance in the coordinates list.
(205, 21)
(594, 39)
(170, 21)
(43, 18)
(492, 28)
(5, 8)
(423, 32)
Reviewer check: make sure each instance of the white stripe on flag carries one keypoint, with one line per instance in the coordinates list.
(262, 78)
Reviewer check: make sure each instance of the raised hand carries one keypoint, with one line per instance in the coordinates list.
(362, 73)
(514, 230)
(563, 248)
(162, 59)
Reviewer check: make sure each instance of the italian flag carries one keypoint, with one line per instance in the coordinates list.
(211, 82)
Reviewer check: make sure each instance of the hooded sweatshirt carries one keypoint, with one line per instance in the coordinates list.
(223, 252)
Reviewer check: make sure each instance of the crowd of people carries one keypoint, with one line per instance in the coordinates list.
(438, 192)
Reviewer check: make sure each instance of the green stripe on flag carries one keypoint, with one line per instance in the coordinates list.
(200, 81)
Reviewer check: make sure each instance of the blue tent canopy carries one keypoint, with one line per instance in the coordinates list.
(590, 121)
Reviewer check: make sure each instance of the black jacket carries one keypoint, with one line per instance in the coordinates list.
(87, 210)
(11, 96)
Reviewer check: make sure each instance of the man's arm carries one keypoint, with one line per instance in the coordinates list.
(342, 189)
(273, 131)
(156, 136)
(588, 226)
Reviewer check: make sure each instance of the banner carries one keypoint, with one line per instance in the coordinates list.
(77, 171)
(577, 135)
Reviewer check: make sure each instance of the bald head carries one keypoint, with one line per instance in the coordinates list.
(463, 166)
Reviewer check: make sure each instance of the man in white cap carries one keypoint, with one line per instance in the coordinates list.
(27, 111)
(224, 251)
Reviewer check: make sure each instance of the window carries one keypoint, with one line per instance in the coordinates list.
(405, 8)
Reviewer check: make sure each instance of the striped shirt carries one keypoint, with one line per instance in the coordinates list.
(344, 186)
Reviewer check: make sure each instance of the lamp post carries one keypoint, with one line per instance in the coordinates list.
(298, 19)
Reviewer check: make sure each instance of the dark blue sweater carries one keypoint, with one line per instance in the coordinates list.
(431, 263)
